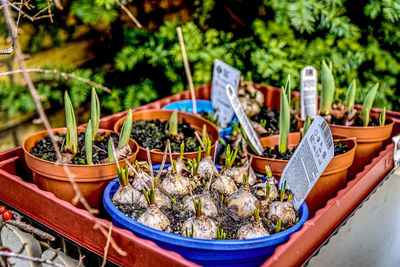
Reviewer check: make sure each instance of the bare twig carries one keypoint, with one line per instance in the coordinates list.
(49, 10)
(130, 15)
(107, 246)
(33, 259)
(187, 68)
(30, 229)
(62, 74)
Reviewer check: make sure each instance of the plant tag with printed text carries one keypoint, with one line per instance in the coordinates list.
(308, 92)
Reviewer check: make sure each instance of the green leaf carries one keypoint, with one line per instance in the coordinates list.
(88, 143)
(95, 113)
(307, 124)
(382, 117)
(327, 90)
(284, 122)
(367, 105)
(110, 152)
(173, 123)
(71, 141)
(126, 130)
(350, 96)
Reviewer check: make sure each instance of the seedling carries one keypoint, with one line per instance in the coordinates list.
(174, 166)
(197, 207)
(263, 123)
(306, 126)
(327, 90)
(367, 105)
(191, 233)
(125, 131)
(207, 146)
(382, 117)
(267, 191)
(150, 196)
(174, 200)
(290, 197)
(221, 235)
(95, 113)
(350, 97)
(182, 150)
(173, 123)
(230, 157)
(268, 171)
(284, 117)
(256, 215)
(204, 134)
(283, 191)
(278, 226)
(110, 152)
(71, 141)
(123, 175)
(88, 143)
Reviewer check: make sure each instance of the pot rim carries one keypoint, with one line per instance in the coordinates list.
(79, 130)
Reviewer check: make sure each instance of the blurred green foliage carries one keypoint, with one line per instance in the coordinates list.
(361, 38)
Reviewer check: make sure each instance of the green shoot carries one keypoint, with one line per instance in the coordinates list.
(71, 141)
(125, 131)
(247, 140)
(230, 157)
(267, 191)
(149, 195)
(382, 117)
(95, 113)
(204, 134)
(297, 219)
(137, 165)
(367, 105)
(123, 175)
(290, 197)
(327, 90)
(263, 123)
(110, 152)
(190, 234)
(173, 123)
(283, 191)
(268, 171)
(284, 118)
(174, 166)
(306, 126)
(221, 235)
(182, 150)
(256, 215)
(207, 146)
(245, 178)
(197, 207)
(351, 96)
(174, 200)
(88, 143)
(278, 226)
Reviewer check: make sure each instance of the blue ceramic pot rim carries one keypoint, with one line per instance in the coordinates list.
(232, 244)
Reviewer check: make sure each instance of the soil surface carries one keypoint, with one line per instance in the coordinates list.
(153, 134)
(273, 153)
(356, 121)
(272, 118)
(44, 148)
(226, 219)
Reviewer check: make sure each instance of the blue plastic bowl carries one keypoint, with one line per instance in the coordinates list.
(201, 105)
(252, 252)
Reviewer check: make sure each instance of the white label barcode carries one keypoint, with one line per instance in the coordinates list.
(326, 132)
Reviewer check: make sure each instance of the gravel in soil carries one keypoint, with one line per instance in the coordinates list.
(227, 220)
(44, 149)
(272, 120)
(154, 135)
(273, 153)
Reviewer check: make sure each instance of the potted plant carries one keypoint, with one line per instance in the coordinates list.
(86, 153)
(201, 219)
(279, 149)
(152, 128)
(370, 130)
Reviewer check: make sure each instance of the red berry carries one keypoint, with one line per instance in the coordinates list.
(2, 209)
(7, 215)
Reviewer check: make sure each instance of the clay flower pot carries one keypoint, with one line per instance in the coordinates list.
(332, 179)
(196, 122)
(369, 142)
(91, 179)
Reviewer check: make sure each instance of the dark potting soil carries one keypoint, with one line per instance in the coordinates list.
(271, 117)
(356, 122)
(273, 153)
(44, 149)
(226, 219)
(153, 134)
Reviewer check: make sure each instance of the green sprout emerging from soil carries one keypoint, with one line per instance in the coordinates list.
(382, 117)
(182, 150)
(221, 235)
(230, 157)
(256, 215)
(197, 207)
(71, 142)
(95, 113)
(204, 134)
(88, 143)
(351, 96)
(267, 191)
(278, 226)
(195, 164)
(268, 171)
(284, 117)
(191, 234)
(283, 191)
(173, 123)
(263, 123)
(125, 131)
(150, 196)
(327, 90)
(207, 147)
(110, 152)
(367, 105)
(307, 124)
(123, 175)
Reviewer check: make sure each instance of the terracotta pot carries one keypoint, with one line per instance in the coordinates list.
(196, 122)
(332, 179)
(369, 142)
(91, 179)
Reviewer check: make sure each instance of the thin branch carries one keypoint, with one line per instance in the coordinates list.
(62, 74)
(49, 10)
(33, 259)
(130, 15)
(107, 246)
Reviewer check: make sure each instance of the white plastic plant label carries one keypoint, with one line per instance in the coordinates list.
(308, 92)
(310, 159)
(244, 121)
(223, 74)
